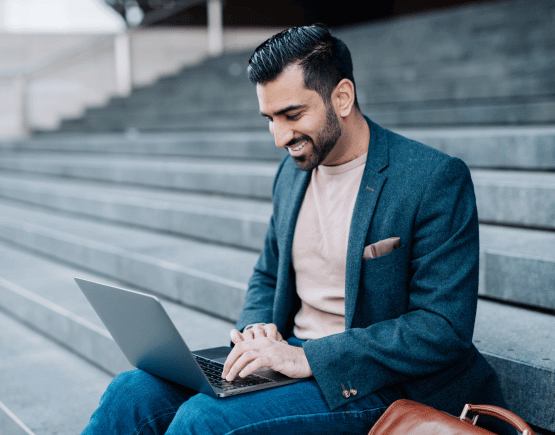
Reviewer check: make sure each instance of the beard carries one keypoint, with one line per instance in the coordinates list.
(323, 145)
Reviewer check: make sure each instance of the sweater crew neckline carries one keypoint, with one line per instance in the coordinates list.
(345, 167)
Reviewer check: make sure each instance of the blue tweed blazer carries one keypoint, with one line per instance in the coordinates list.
(409, 315)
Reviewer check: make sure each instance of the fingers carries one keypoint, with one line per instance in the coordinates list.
(236, 336)
(247, 363)
(256, 330)
(248, 356)
(272, 332)
(236, 353)
(254, 348)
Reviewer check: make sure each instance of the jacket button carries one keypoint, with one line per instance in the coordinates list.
(346, 394)
(353, 391)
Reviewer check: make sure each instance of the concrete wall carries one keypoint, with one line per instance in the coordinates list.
(65, 74)
(18, 50)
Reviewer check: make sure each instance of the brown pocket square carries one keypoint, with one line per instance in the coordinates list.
(381, 248)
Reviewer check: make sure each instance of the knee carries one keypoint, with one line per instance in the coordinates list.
(139, 389)
(136, 402)
(125, 384)
(200, 415)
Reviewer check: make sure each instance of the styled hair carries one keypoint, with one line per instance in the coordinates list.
(325, 59)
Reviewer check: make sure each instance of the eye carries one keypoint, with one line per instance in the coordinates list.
(293, 117)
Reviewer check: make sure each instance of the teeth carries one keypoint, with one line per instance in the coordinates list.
(299, 147)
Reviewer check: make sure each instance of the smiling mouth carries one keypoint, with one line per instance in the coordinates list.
(298, 148)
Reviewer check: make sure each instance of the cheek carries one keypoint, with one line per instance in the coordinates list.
(307, 127)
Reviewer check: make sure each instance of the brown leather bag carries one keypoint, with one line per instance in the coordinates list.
(405, 417)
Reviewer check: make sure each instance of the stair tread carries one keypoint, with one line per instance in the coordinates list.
(54, 282)
(30, 366)
(231, 265)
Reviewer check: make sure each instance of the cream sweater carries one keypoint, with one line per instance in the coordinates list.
(320, 248)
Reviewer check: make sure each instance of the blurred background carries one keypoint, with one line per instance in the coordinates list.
(132, 153)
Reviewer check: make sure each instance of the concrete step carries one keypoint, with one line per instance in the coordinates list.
(397, 55)
(459, 80)
(432, 114)
(48, 388)
(506, 68)
(530, 147)
(515, 198)
(518, 344)
(520, 351)
(203, 276)
(412, 84)
(229, 221)
(487, 72)
(238, 121)
(501, 147)
(251, 179)
(489, 87)
(42, 293)
(393, 111)
(516, 265)
(10, 424)
(228, 145)
(480, 30)
(503, 197)
(463, 113)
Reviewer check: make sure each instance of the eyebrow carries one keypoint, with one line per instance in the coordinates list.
(285, 110)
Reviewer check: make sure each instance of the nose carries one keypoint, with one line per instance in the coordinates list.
(282, 133)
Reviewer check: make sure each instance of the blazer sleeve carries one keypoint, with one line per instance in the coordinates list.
(436, 330)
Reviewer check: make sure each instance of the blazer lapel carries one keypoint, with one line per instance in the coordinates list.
(285, 300)
(367, 197)
(289, 222)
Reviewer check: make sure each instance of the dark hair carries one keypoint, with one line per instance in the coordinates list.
(325, 59)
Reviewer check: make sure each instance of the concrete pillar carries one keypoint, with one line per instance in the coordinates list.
(22, 110)
(123, 62)
(215, 27)
(13, 107)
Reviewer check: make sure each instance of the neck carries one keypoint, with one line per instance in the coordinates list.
(353, 143)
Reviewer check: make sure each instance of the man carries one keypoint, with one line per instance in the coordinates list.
(369, 270)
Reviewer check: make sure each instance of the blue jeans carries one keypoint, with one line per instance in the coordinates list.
(139, 403)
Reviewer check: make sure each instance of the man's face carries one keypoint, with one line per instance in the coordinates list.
(299, 119)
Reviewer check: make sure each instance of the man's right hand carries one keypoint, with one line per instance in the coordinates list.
(256, 330)
(261, 345)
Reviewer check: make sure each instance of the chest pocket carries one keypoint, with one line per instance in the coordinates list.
(383, 288)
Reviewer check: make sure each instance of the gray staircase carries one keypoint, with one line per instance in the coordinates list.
(11, 424)
(168, 192)
(53, 307)
(480, 64)
(45, 388)
(165, 225)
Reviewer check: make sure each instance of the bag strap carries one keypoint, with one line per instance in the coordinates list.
(500, 413)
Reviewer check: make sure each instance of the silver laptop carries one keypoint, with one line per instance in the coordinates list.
(149, 340)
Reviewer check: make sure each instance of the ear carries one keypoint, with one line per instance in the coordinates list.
(343, 97)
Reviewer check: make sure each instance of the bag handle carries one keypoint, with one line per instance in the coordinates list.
(500, 413)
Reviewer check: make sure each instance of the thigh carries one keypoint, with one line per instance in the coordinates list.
(293, 409)
(136, 403)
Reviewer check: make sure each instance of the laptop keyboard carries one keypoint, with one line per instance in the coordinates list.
(213, 371)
